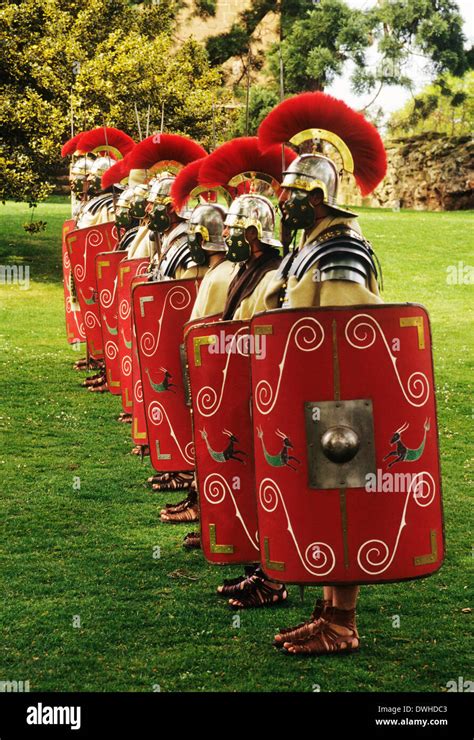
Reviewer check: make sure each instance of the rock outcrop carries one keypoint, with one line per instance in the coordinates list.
(431, 171)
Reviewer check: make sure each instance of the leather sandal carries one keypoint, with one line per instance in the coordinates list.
(102, 388)
(304, 629)
(180, 506)
(327, 639)
(189, 514)
(257, 593)
(233, 586)
(175, 482)
(192, 541)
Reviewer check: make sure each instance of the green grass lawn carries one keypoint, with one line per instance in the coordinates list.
(89, 552)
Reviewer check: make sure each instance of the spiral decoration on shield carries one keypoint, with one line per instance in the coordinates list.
(308, 335)
(111, 350)
(177, 298)
(124, 309)
(374, 556)
(138, 391)
(126, 366)
(90, 320)
(361, 332)
(106, 296)
(94, 238)
(208, 400)
(319, 558)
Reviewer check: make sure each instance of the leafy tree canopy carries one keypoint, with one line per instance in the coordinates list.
(446, 106)
(101, 57)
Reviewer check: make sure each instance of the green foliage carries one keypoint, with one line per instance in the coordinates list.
(429, 27)
(101, 56)
(262, 101)
(317, 47)
(446, 106)
(206, 8)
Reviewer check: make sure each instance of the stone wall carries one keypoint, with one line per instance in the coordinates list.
(227, 12)
(431, 171)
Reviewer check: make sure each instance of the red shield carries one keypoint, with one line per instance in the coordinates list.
(128, 270)
(139, 425)
(346, 445)
(160, 311)
(84, 245)
(74, 323)
(218, 357)
(107, 264)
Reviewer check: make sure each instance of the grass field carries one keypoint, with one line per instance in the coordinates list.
(148, 622)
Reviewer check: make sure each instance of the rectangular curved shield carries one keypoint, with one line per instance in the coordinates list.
(346, 445)
(218, 359)
(74, 322)
(83, 246)
(160, 311)
(139, 425)
(128, 270)
(106, 268)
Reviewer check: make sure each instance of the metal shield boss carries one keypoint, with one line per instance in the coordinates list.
(346, 445)
(106, 269)
(127, 271)
(74, 322)
(218, 358)
(160, 311)
(83, 246)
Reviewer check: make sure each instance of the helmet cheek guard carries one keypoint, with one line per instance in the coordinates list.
(160, 218)
(238, 248)
(298, 213)
(123, 218)
(196, 239)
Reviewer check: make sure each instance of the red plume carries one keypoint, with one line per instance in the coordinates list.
(116, 173)
(165, 148)
(71, 145)
(185, 182)
(106, 136)
(318, 110)
(243, 155)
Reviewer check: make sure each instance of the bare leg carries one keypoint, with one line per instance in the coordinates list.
(345, 597)
(328, 593)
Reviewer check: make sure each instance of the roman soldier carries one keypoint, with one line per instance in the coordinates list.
(208, 249)
(79, 168)
(350, 368)
(94, 231)
(162, 239)
(107, 145)
(219, 371)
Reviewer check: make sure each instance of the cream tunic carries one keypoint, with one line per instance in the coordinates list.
(213, 290)
(310, 292)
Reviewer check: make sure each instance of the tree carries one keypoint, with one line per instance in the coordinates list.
(446, 106)
(318, 46)
(428, 29)
(100, 56)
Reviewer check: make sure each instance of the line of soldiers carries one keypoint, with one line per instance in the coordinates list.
(224, 336)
